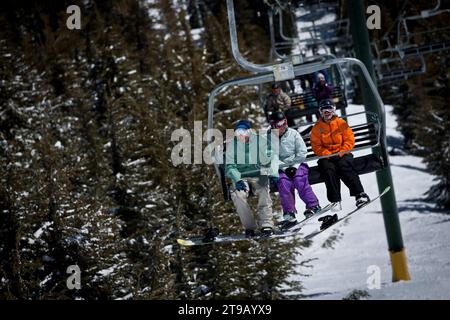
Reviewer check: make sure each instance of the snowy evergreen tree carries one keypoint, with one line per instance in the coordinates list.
(421, 105)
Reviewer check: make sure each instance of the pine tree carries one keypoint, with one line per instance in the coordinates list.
(432, 132)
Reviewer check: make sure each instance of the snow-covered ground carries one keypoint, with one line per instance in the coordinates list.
(336, 271)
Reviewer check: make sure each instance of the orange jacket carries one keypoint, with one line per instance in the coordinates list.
(334, 136)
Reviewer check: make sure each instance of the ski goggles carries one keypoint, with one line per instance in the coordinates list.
(278, 124)
(327, 109)
(241, 132)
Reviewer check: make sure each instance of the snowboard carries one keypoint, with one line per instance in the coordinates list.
(281, 232)
(345, 216)
(198, 240)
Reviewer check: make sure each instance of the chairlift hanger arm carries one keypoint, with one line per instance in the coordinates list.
(428, 13)
(272, 37)
(290, 42)
(257, 68)
(320, 28)
(294, 41)
(280, 22)
(243, 62)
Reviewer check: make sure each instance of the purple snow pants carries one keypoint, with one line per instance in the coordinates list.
(286, 187)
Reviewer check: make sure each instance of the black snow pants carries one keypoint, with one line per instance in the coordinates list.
(338, 168)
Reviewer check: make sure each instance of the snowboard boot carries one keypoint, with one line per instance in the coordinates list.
(328, 221)
(309, 212)
(266, 231)
(362, 199)
(289, 220)
(249, 233)
(210, 234)
(336, 206)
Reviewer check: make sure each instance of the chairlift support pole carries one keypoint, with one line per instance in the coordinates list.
(356, 13)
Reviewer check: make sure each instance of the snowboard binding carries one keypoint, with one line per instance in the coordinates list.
(286, 225)
(289, 220)
(328, 221)
(210, 234)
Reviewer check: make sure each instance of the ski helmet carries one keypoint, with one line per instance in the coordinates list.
(278, 121)
(242, 130)
(243, 124)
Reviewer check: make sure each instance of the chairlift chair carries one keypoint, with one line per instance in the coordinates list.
(424, 14)
(413, 65)
(305, 101)
(305, 104)
(369, 135)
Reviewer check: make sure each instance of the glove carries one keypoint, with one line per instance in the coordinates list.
(274, 180)
(241, 186)
(273, 184)
(290, 172)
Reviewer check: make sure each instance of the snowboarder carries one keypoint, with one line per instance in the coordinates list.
(293, 172)
(278, 101)
(330, 135)
(321, 89)
(247, 175)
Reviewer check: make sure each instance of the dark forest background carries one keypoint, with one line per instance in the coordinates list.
(86, 118)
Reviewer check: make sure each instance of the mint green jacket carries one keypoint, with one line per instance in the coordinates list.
(251, 159)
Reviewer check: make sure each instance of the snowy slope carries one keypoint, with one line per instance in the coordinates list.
(343, 267)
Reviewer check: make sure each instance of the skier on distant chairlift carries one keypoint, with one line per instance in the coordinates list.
(278, 101)
(293, 172)
(330, 135)
(321, 89)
